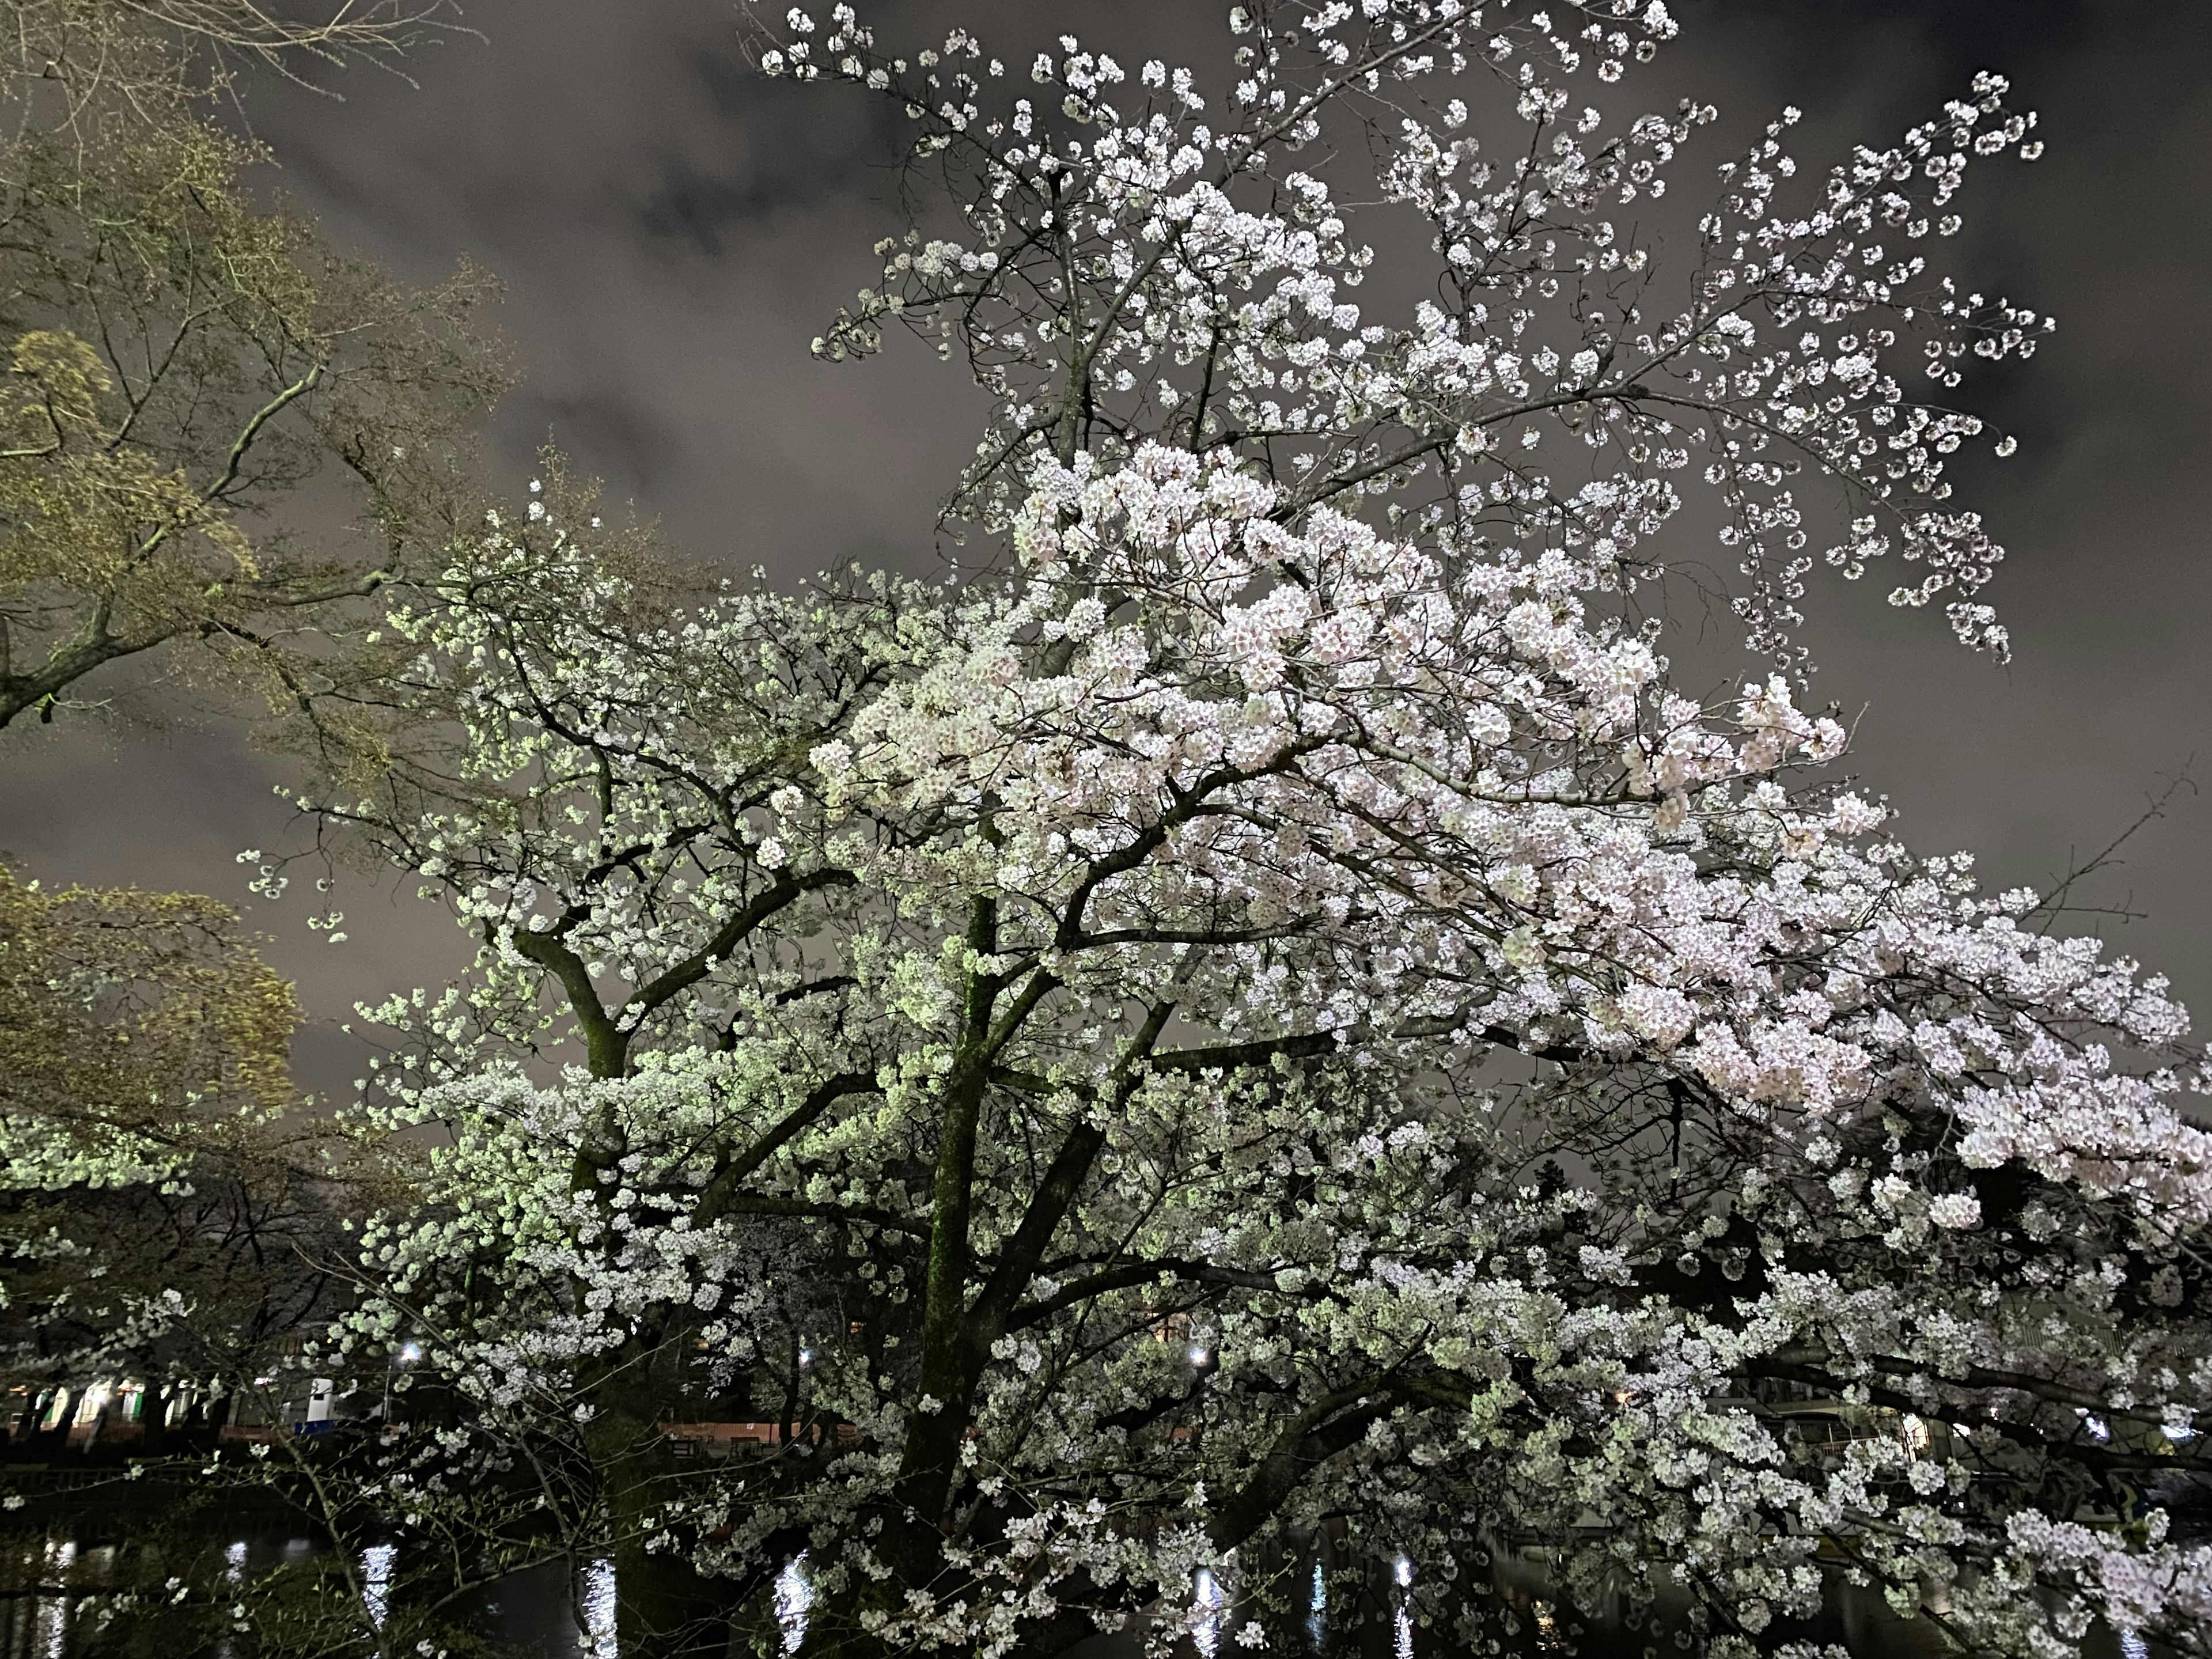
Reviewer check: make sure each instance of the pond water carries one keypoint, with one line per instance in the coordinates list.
(93, 1584)
(86, 1586)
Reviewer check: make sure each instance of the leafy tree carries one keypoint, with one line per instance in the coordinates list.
(1263, 1010)
(163, 1215)
(180, 363)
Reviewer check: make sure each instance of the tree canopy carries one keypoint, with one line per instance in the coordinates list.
(182, 362)
(1261, 1008)
(164, 1213)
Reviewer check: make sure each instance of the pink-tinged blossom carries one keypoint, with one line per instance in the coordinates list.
(1268, 987)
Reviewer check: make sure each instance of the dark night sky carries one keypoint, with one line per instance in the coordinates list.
(672, 234)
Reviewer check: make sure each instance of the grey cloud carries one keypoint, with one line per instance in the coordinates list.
(673, 233)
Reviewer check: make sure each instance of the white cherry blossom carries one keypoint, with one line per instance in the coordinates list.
(1261, 1003)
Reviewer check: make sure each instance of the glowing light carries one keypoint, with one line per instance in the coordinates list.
(1207, 1600)
(53, 1611)
(794, 1599)
(376, 1580)
(599, 1603)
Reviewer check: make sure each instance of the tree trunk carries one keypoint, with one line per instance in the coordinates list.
(60, 1431)
(154, 1415)
(663, 1608)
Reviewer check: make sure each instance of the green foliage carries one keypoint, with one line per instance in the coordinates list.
(182, 364)
(162, 1214)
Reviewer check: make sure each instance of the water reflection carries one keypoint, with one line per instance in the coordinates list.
(794, 1598)
(54, 1610)
(68, 1590)
(597, 1600)
(376, 1580)
(62, 1580)
(1207, 1601)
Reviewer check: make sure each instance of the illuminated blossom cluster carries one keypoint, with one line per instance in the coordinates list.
(1266, 1008)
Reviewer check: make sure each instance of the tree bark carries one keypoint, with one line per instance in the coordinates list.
(153, 1416)
(664, 1609)
(60, 1431)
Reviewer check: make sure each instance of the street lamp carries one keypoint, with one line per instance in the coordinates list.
(407, 1354)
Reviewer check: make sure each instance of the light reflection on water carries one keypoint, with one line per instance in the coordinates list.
(1206, 1598)
(794, 1598)
(533, 1612)
(547, 1613)
(376, 1580)
(60, 1556)
(597, 1598)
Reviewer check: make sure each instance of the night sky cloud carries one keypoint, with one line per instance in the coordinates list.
(673, 233)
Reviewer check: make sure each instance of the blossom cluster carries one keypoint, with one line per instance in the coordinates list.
(1271, 1007)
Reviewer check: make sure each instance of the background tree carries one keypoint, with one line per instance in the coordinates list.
(164, 1214)
(1266, 1011)
(184, 366)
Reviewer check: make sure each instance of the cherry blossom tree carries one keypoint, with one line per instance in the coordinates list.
(1258, 1010)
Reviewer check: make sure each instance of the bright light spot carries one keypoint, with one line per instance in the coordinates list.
(233, 1563)
(2133, 1645)
(598, 1599)
(1404, 1571)
(2096, 1425)
(53, 1611)
(376, 1580)
(1319, 1602)
(807, 1356)
(1207, 1600)
(794, 1597)
(1198, 1356)
(1402, 1644)
(410, 1352)
(1916, 1434)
